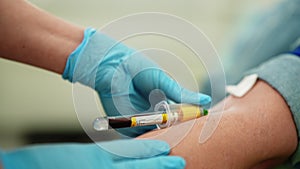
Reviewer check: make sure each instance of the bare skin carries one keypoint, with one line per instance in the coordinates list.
(256, 131)
(32, 36)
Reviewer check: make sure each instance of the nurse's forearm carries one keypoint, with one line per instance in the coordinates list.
(256, 131)
(32, 36)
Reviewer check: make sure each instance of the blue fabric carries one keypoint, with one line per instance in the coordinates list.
(278, 29)
(72, 59)
(123, 78)
(123, 154)
(296, 51)
(265, 36)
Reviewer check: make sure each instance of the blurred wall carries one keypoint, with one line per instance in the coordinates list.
(36, 100)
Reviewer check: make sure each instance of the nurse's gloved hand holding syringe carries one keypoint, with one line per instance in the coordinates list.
(32, 36)
(118, 72)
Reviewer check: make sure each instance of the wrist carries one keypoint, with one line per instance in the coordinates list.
(74, 56)
(95, 50)
(66, 43)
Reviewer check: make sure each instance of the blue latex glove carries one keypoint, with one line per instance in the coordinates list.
(124, 79)
(146, 154)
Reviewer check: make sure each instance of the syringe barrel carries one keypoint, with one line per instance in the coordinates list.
(179, 113)
(164, 116)
(119, 122)
(146, 119)
(187, 111)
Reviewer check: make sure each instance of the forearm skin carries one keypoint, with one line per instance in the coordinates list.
(256, 131)
(35, 37)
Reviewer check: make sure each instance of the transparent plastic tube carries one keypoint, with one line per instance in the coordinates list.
(164, 115)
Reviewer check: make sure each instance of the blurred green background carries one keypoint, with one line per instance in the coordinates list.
(34, 101)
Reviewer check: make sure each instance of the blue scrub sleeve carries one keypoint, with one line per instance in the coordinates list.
(283, 74)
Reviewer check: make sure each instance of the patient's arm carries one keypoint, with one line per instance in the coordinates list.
(256, 131)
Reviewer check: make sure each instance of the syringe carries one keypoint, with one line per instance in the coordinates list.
(164, 115)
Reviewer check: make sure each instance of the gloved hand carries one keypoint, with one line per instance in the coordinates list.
(123, 78)
(146, 154)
